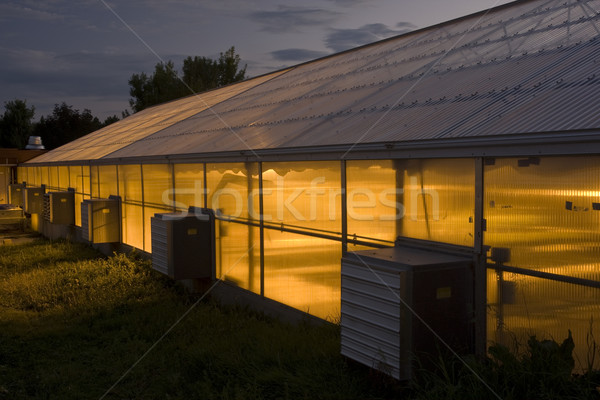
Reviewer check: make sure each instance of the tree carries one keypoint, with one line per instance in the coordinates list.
(64, 125)
(15, 124)
(199, 74)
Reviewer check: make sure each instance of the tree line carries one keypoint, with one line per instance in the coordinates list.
(165, 83)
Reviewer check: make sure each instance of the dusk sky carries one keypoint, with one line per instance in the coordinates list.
(83, 52)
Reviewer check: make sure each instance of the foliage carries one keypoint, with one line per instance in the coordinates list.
(199, 74)
(64, 125)
(542, 371)
(16, 124)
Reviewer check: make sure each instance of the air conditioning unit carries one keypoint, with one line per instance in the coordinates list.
(15, 194)
(183, 244)
(33, 200)
(101, 220)
(388, 293)
(59, 208)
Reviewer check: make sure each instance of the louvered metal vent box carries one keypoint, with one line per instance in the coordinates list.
(33, 200)
(101, 220)
(388, 294)
(59, 208)
(183, 244)
(15, 194)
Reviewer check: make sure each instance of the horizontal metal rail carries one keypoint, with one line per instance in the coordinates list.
(547, 275)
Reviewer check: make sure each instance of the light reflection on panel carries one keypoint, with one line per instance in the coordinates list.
(303, 272)
(303, 194)
(238, 254)
(439, 200)
(189, 185)
(372, 201)
(521, 306)
(546, 211)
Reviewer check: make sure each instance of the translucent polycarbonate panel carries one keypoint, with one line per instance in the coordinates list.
(94, 177)
(63, 177)
(53, 177)
(304, 195)
(76, 180)
(158, 185)
(520, 306)
(130, 183)
(233, 190)
(238, 254)
(87, 187)
(546, 211)
(21, 175)
(107, 181)
(374, 206)
(37, 176)
(133, 225)
(189, 185)
(303, 272)
(439, 200)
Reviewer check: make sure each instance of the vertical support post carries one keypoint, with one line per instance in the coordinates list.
(173, 191)
(261, 228)
(344, 210)
(143, 209)
(205, 194)
(479, 262)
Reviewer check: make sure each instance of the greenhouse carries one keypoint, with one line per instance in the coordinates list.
(481, 134)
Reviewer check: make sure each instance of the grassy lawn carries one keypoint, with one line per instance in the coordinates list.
(72, 322)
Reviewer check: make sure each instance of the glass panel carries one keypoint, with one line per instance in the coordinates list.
(238, 254)
(521, 306)
(133, 225)
(373, 203)
(303, 272)
(439, 200)
(63, 177)
(546, 212)
(229, 186)
(107, 181)
(303, 195)
(189, 185)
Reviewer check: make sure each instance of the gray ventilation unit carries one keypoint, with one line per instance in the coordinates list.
(183, 244)
(15, 194)
(59, 208)
(33, 200)
(383, 289)
(101, 220)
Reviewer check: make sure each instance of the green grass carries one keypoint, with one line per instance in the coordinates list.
(72, 322)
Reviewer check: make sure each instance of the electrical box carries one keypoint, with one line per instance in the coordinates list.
(101, 220)
(183, 244)
(59, 208)
(398, 302)
(33, 200)
(15, 194)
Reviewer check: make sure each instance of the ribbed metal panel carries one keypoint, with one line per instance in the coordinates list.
(160, 259)
(383, 291)
(85, 221)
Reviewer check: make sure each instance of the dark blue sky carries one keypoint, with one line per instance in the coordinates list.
(83, 52)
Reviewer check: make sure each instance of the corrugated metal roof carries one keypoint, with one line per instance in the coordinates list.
(523, 68)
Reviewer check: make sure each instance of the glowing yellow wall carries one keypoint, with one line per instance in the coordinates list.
(130, 190)
(189, 186)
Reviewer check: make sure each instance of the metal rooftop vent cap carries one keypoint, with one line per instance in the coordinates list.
(35, 143)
